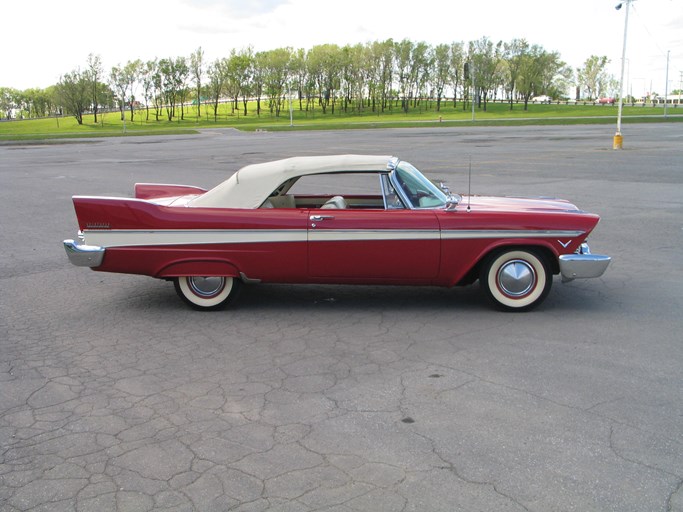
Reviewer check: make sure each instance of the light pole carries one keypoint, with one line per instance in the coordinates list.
(666, 84)
(618, 139)
(629, 87)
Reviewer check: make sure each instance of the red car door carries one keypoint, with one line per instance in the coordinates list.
(392, 246)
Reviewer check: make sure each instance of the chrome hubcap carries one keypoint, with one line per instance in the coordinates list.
(516, 278)
(206, 286)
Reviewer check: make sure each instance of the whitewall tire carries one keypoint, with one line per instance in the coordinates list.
(516, 280)
(207, 293)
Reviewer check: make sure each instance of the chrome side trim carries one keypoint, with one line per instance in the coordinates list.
(336, 235)
(458, 234)
(83, 255)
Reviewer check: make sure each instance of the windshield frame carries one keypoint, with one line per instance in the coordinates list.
(403, 175)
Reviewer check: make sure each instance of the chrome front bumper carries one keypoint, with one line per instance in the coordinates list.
(583, 264)
(83, 255)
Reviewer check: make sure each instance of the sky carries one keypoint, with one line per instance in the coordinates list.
(41, 40)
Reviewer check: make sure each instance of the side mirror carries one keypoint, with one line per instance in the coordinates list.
(452, 201)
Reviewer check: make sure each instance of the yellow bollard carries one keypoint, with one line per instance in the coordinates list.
(618, 142)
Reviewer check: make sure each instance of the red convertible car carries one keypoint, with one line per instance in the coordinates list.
(346, 219)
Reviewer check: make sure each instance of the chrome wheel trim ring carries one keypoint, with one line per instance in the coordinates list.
(206, 287)
(516, 278)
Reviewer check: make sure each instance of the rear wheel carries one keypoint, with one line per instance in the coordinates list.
(207, 293)
(516, 280)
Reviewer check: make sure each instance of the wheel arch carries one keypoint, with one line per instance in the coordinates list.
(199, 267)
(543, 249)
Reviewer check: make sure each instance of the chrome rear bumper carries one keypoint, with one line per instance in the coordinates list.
(583, 264)
(83, 255)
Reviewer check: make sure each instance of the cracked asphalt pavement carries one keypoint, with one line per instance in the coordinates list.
(114, 396)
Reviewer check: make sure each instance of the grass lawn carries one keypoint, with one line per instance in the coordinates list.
(109, 124)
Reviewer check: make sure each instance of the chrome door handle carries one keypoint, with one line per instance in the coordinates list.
(317, 218)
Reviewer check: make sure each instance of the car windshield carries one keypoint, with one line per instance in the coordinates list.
(417, 189)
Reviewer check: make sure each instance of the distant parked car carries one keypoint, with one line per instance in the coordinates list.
(606, 101)
(541, 99)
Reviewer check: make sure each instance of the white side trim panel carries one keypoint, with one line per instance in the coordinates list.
(133, 238)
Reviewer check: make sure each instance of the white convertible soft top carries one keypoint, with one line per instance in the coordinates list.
(251, 185)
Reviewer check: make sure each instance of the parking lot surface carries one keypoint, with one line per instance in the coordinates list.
(114, 396)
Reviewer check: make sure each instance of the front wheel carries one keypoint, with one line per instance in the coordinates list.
(207, 293)
(516, 280)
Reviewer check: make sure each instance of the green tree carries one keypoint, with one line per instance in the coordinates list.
(485, 59)
(258, 75)
(123, 80)
(9, 100)
(373, 75)
(94, 74)
(420, 68)
(403, 59)
(323, 66)
(157, 78)
(173, 77)
(441, 72)
(513, 55)
(361, 73)
(531, 79)
(182, 74)
(148, 70)
(380, 72)
(239, 69)
(592, 77)
(217, 75)
(275, 66)
(74, 93)
(299, 74)
(352, 75)
(457, 64)
(197, 70)
(35, 102)
(556, 76)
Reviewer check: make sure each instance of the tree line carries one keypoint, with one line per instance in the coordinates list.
(374, 77)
